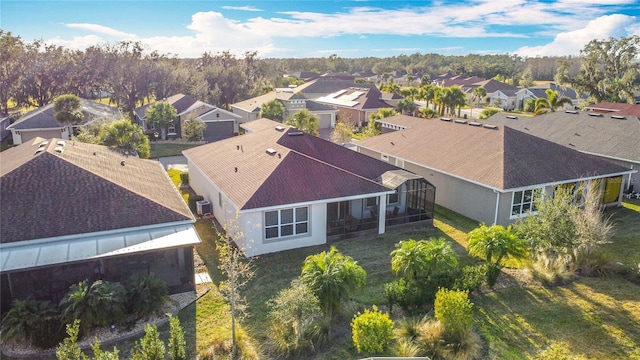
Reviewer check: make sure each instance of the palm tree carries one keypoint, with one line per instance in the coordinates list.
(420, 259)
(25, 319)
(408, 259)
(479, 93)
(332, 277)
(67, 109)
(551, 103)
(426, 93)
(494, 243)
(407, 106)
(305, 121)
(458, 98)
(273, 110)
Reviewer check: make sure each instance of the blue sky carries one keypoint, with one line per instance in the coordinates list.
(307, 28)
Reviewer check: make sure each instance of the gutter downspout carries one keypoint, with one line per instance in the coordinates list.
(495, 217)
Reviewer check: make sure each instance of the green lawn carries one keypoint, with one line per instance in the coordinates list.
(164, 149)
(591, 318)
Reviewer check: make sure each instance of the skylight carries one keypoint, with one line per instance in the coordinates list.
(489, 126)
(619, 117)
(512, 117)
(473, 123)
(571, 111)
(271, 151)
(595, 114)
(445, 119)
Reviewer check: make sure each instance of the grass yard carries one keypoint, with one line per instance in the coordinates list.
(164, 149)
(590, 318)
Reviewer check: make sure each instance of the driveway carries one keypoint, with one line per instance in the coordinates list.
(174, 162)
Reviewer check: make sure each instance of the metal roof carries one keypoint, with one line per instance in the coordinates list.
(45, 252)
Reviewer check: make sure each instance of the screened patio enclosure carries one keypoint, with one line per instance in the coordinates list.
(413, 202)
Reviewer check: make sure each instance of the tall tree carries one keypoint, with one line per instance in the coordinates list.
(46, 71)
(332, 277)
(161, 115)
(305, 121)
(609, 70)
(552, 102)
(273, 110)
(128, 75)
(11, 57)
(478, 94)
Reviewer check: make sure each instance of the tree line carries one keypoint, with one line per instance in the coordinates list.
(34, 73)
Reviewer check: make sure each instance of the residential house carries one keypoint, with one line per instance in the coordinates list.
(615, 108)
(355, 104)
(536, 92)
(41, 122)
(220, 123)
(298, 98)
(499, 94)
(5, 121)
(285, 189)
(72, 211)
(612, 136)
(490, 173)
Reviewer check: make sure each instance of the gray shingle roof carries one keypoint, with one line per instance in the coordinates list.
(603, 135)
(83, 189)
(43, 117)
(501, 158)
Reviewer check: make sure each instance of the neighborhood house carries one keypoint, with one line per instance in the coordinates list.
(490, 173)
(284, 189)
(72, 211)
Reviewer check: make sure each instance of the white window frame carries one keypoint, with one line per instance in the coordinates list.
(169, 132)
(526, 205)
(296, 222)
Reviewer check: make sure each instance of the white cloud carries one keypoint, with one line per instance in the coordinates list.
(241, 8)
(77, 42)
(569, 22)
(102, 30)
(571, 42)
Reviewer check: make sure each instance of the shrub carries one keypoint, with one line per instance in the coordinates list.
(31, 321)
(150, 347)
(184, 178)
(487, 113)
(454, 310)
(192, 201)
(146, 294)
(530, 105)
(471, 278)
(176, 339)
(420, 337)
(292, 312)
(462, 345)
(95, 304)
(372, 331)
(403, 293)
(552, 270)
(595, 264)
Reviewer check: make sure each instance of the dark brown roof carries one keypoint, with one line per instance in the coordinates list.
(303, 168)
(501, 157)
(83, 189)
(619, 108)
(180, 102)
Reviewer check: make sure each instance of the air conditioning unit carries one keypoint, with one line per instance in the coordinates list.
(203, 207)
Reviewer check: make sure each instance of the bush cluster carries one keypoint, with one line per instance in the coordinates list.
(100, 303)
